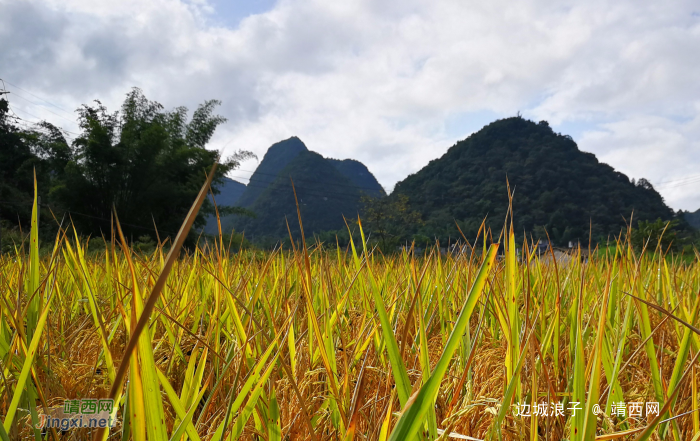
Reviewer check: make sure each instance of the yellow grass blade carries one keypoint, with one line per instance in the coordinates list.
(150, 304)
(27, 366)
(414, 415)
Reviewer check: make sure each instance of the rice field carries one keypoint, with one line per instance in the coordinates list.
(327, 343)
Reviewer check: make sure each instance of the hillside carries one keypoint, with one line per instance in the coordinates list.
(327, 189)
(230, 192)
(557, 187)
(693, 218)
(277, 157)
(359, 175)
(324, 196)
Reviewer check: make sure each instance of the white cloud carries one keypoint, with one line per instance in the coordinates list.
(379, 81)
(663, 151)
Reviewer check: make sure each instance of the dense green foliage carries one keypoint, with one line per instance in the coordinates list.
(388, 220)
(277, 157)
(556, 187)
(656, 233)
(146, 163)
(360, 176)
(693, 218)
(323, 193)
(42, 148)
(327, 190)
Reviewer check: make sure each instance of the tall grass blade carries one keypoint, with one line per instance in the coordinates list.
(155, 295)
(414, 415)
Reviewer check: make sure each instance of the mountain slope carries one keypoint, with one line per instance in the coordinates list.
(324, 196)
(327, 189)
(557, 187)
(229, 194)
(359, 175)
(277, 157)
(693, 219)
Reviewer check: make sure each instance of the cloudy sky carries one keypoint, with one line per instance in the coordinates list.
(391, 83)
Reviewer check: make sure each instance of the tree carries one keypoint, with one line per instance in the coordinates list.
(16, 165)
(146, 163)
(648, 234)
(389, 219)
(41, 148)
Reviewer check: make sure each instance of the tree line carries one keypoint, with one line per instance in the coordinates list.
(142, 162)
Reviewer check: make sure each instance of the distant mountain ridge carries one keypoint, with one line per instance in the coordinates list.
(693, 218)
(359, 175)
(559, 190)
(327, 190)
(275, 160)
(557, 187)
(229, 194)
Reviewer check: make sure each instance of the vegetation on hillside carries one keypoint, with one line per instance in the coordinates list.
(693, 218)
(327, 191)
(360, 176)
(324, 196)
(277, 157)
(387, 220)
(230, 192)
(556, 187)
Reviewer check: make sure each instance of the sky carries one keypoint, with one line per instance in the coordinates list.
(392, 84)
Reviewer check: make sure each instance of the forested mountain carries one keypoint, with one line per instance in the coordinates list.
(230, 192)
(359, 175)
(327, 190)
(324, 196)
(556, 187)
(276, 158)
(147, 163)
(693, 218)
